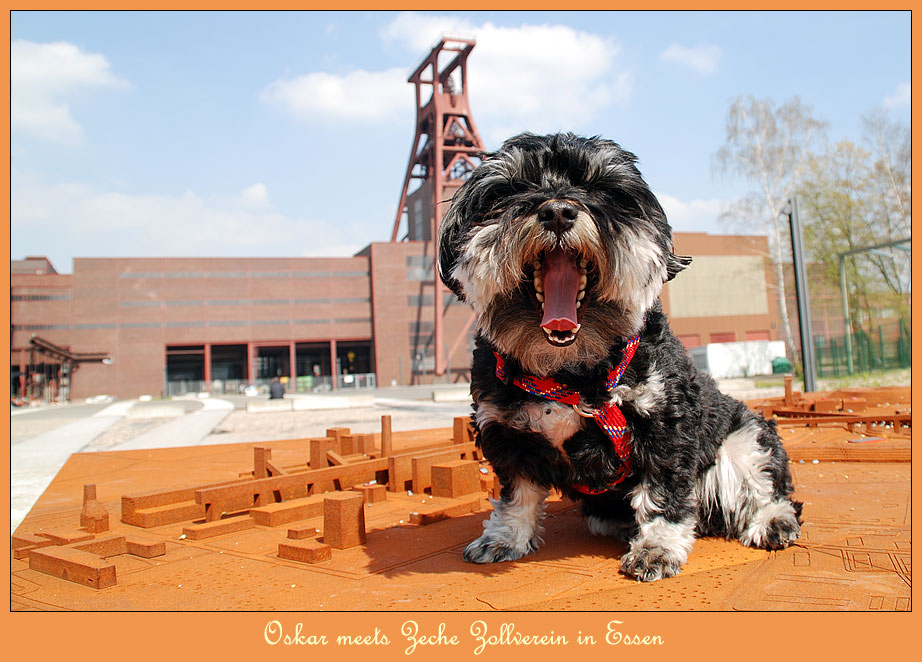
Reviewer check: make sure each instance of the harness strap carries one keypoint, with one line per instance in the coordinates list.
(608, 416)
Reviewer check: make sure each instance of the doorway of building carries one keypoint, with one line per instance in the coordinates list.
(228, 369)
(354, 364)
(315, 373)
(273, 362)
(185, 369)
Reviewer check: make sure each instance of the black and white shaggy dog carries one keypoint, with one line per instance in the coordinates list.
(578, 382)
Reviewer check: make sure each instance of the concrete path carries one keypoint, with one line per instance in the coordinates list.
(35, 461)
(188, 430)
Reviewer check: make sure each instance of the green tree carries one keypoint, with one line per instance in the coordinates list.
(856, 197)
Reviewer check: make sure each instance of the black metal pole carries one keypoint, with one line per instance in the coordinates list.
(803, 299)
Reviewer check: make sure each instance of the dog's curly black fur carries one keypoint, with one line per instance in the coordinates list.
(701, 463)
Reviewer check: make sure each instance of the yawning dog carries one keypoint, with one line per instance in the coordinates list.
(578, 382)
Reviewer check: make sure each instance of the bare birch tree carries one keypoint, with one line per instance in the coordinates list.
(769, 146)
(891, 146)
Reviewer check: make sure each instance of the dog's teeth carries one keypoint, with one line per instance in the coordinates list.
(576, 329)
(546, 330)
(540, 296)
(539, 284)
(537, 265)
(581, 295)
(578, 304)
(583, 264)
(582, 282)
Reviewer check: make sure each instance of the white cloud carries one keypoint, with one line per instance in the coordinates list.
(77, 220)
(256, 195)
(693, 215)
(703, 59)
(531, 77)
(44, 78)
(420, 32)
(901, 97)
(357, 95)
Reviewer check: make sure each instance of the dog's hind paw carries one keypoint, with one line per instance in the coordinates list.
(775, 527)
(650, 563)
(608, 527)
(782, 532)
(487, 549)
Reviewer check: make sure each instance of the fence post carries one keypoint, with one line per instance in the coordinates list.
(880, 341)
(859, 353)
(866, 348)
(803, 297)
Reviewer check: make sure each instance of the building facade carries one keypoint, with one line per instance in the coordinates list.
(174, 325)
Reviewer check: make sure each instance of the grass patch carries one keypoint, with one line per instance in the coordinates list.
(899, 377)
(769, 381)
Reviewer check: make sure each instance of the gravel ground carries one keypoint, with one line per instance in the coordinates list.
(125, 429)
(240, 426)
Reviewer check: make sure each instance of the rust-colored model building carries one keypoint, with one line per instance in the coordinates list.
(175, 325)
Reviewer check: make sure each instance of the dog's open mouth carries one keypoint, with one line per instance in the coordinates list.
(560, 287)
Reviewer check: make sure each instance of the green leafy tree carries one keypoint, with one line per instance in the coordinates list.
(855, 197)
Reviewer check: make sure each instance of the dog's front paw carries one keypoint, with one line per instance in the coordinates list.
(487, 549)
(649, 563)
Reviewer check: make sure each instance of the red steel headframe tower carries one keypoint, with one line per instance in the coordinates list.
(445, 150)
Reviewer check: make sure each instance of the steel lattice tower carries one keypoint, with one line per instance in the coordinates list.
(445, 150)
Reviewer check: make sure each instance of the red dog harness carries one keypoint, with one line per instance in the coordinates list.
(608, 416)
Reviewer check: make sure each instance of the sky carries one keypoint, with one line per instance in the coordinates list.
(287, 134)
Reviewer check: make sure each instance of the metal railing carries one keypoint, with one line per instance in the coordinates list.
(871, 350)
(177, 387)
(303, 384)
(358, 381)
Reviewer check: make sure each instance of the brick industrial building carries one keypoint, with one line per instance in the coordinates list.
(132, 326)
(171, 325)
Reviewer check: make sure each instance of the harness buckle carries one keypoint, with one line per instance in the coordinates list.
(583, 412)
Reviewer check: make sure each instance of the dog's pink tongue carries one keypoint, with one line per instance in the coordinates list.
(561, 286)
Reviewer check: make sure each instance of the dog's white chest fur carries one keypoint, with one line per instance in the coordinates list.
(557, 422)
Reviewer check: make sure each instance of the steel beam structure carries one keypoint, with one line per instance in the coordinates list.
(67, 361)
(446, 148)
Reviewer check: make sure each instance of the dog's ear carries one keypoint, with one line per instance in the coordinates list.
(675, 264)
(450, 233)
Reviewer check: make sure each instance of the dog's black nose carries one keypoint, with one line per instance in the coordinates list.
(558, 216)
